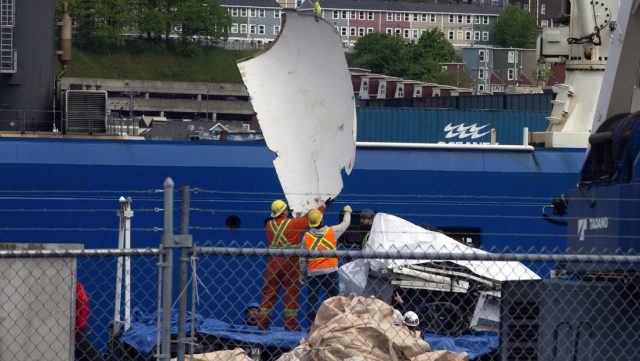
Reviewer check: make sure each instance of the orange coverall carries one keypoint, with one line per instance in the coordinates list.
(283, 271)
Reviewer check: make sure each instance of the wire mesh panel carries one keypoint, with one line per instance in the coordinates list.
(59, 302)
(422, 303)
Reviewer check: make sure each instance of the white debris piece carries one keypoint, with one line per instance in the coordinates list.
(393, 234)
(301, 91)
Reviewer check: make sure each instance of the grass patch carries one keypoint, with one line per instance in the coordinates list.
(211, 65)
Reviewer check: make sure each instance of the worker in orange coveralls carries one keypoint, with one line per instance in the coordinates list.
(283, 232)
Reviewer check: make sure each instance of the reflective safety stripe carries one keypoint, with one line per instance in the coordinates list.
(290, 312)
(279, 240)
(265, 310)
(365, 240)
(320, 240)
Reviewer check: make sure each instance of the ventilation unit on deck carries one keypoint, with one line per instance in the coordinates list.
(8, 54)
(85, 111)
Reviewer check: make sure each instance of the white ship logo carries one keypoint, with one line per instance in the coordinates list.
(462, 132)
(582, 227)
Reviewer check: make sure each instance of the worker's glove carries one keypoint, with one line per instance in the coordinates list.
(328, 202)
(347, 209)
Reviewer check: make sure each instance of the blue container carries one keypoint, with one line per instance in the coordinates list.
(446, 126)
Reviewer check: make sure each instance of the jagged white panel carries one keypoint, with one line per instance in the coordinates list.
(301, 91)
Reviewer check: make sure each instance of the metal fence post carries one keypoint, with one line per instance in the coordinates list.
(165, 347)
(184, 263)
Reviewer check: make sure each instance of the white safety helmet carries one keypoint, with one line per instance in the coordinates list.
(411, 319)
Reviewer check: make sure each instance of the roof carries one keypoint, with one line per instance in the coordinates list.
(524, 80)
(495, 80)
(251, 3)
(385, 5)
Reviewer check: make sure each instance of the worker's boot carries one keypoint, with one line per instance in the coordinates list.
(264, 319)
(291, 320)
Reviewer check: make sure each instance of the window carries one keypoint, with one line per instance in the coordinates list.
(468, 19)
(406, 33)
(234, 11)
(451, 18)
(398, 32)
(360, 32)
(544, 23)
(401, 92)
(485, 20)
(481, 88)
(335, 14)
(369, 15)
(277, 13)
(510, 74)
(443, 69)
(243, 28)
(234, 28)
(494, 2)
(511, 57)
(460, 35)
(525, 6)
(417, 92)
(252, 13)
(343, 31)
(543, 9)
(415, 33)
(369, 30)
(451, 34)
(389, 16)
(344, 14)
(276, 29)
(481, 74)
(365, 85)
(252, 29)
(398, 16)
(433, 18)
(361, 15)
(485, 36)
(261, 29)
(243, 13)
(407, 17)
(460, 19)
(261, 13)
(467, 35)
(416, 17)
(354, 15)
(481, 56)
(389, 31)
(353, 31)
(478, 19)
(476, 35)
(424, 18)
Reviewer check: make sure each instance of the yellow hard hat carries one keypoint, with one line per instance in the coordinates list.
(277, 207)
(315, 217)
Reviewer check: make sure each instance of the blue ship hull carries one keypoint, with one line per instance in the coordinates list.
(67, 190)
(501, 193)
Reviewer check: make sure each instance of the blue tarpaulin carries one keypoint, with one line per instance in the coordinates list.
(142, 335)
(475, 344)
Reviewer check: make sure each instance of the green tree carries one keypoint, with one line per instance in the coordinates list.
(100, 22)
(204, 18)
(386, 54)
(378, 52)
(515, 28)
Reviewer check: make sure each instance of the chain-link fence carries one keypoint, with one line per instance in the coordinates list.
(402, 292)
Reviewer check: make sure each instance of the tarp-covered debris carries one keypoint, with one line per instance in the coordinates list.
(301, 91)
(359, 328)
